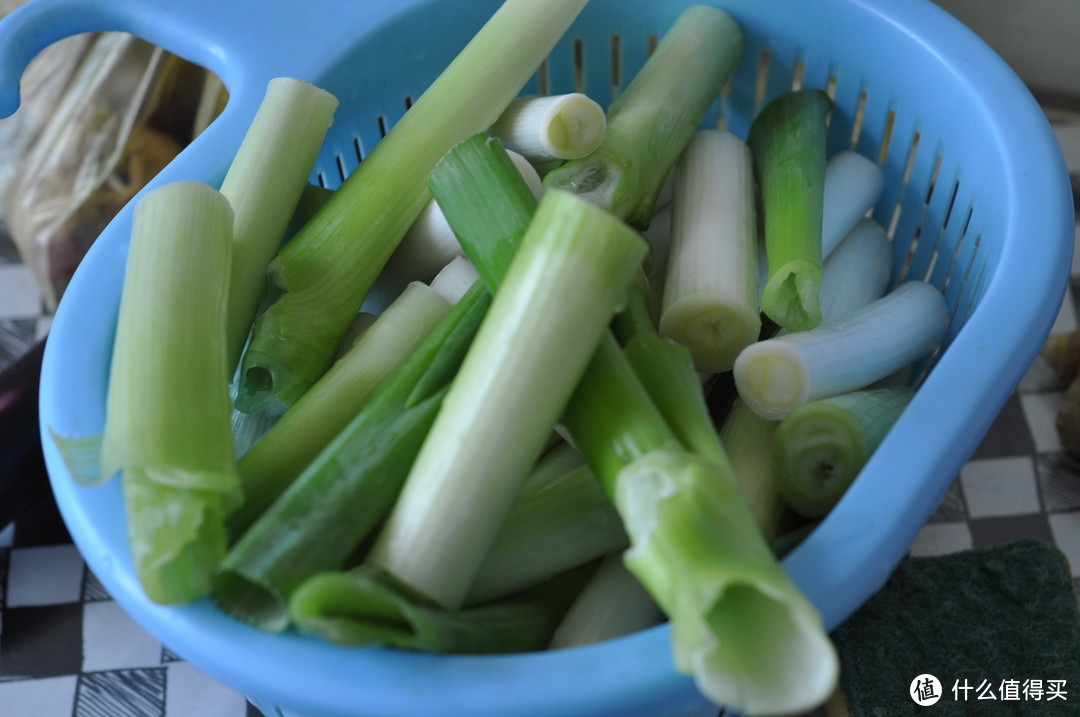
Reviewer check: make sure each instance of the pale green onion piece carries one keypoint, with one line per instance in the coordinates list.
(335, 399)
(566, 126)
(822, 445)
(711, 298)
(365, 607)
(650, 123)
(430, 243)
(855, 273)
(612, 604)
(264, 184)
(749, 439)
(360, 323)
(167, 426)
(853, 185)
(787, 140)
(561, 519)
(328, 268)
(739, 624)
(848, 354)
(455, 279)
(559, 294)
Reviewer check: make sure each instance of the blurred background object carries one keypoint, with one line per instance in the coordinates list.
(1038, 38)
(101, 114)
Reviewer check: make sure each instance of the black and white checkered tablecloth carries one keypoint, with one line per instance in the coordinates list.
(68, 650)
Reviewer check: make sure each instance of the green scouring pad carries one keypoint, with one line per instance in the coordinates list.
(1000, 622)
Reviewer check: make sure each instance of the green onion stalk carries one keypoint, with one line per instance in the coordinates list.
(327, 269)
(555, 127)
(775, 376)
(821, 446)
(651, 122)
(264, 184)
(612, 604)
(787, 141)
(366, 607)
(167, 424)
(711, 299)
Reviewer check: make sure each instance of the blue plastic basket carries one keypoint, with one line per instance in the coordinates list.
(976, 199)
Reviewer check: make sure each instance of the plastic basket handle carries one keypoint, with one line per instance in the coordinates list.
(245, 42)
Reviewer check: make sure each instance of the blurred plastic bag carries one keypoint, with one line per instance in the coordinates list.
(81, 151)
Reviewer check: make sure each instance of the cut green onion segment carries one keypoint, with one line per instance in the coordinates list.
(822, 445)
(613, 603)
(651, 122)
(486, 202)
(566, 126)
(739, 624)
(711, 297)
(365, 607)
(335, 399)
(853, 185)
(560, 292)
(848, 354)
(787, 140)
(327, 269)
(167, 427)
(749, 440)
(560, 520)
(856, 272)
(455, 280)
(264, 184)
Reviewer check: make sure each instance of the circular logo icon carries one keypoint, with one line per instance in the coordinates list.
(925, 690)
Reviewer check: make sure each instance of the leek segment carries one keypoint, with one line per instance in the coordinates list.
(848, 354)
(556, 300)
(788, 144)
(264, 185)
(613, 603)
(561, 519)
(167, 427)
(739, 624)
(366, 607)
(327, 269)
(711, 297)
(650, 123)
(749, 440)
(821, 446)
(556, 127)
